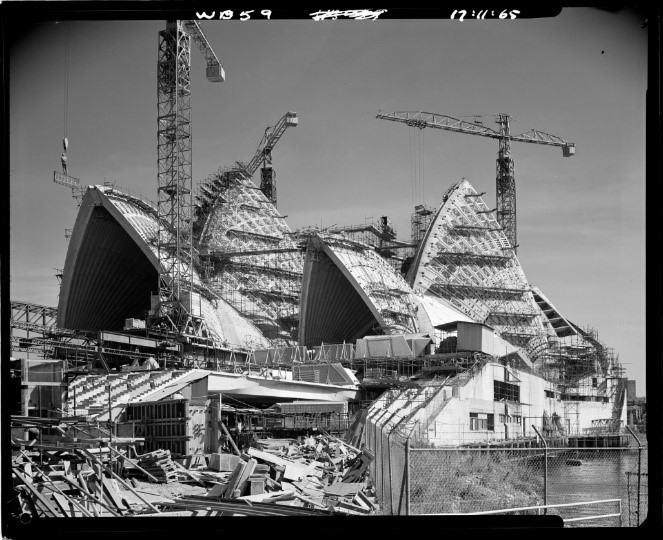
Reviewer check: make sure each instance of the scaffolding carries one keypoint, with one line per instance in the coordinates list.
(387, 291)
(420, 221)
(247, 253)
(468, 261)
(381, 236)
(583, 367)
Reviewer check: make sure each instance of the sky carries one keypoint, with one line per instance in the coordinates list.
(581, 76)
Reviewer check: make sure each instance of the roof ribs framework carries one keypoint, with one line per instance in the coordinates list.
(111, 268)
(466, 259)
(349, 291)
(249, 255)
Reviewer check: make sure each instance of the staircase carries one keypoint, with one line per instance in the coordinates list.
(92, 394)
(153, 384)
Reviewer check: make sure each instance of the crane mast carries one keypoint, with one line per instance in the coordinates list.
(505, 179)
(264, 155)
(175, 311)
(505, 190)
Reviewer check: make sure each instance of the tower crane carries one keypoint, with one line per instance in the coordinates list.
(505, 181)
(264, 155)
(174, 313)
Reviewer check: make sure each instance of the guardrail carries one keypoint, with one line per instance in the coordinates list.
(538, 508)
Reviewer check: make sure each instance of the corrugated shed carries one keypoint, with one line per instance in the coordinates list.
(385, 346)
(323, 373)
(475, 337)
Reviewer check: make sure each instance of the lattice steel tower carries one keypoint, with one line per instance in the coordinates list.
(176, 311)
(505, 180)
(506, 184)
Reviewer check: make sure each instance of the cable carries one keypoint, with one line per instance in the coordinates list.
(66, 78)
(423, 167)
(411, 163)
(421, 160)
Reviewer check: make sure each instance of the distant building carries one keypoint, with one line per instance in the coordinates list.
(630, 389)
(636, 406)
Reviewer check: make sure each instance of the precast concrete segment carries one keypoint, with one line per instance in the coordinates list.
(349, 291)
(466, 260)
(561, 326)
(111, 271)
(107, 262)
(261, 276)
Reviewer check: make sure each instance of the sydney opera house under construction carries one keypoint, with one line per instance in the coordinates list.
(203, 340)
(446, 325)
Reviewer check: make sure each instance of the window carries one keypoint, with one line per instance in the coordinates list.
(595, 382)
(517, 419)
(550, 394)
(502, 419)
(482, 422)
(506, 391)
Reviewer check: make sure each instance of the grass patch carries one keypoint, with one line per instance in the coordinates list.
(472, 481)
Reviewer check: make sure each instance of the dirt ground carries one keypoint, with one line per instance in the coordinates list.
(155, 492)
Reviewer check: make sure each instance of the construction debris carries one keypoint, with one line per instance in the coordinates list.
(159, 465)
(100, 477)
(321, 474)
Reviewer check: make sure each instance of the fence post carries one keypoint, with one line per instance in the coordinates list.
(545, 469)
(637, 512)
(407, 477)
(391, 476)
(628, 491)
(620, 513)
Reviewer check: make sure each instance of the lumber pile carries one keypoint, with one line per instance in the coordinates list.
(83, 486)
(160, 465)
(321, 473)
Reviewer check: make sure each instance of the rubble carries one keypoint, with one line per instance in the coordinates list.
(159, 465)
(320, 475)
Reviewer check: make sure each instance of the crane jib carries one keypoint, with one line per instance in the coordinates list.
(505, 179)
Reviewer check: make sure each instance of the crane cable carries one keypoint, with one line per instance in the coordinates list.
(422, 168)
(411, 132)
(66, 85)
(417, 170)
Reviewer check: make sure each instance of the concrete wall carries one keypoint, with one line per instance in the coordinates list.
(588, 411)
(451, 425)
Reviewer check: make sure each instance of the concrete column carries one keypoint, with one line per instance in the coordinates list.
(25, 398)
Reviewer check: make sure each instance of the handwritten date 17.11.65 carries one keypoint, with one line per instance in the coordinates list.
(460, 14)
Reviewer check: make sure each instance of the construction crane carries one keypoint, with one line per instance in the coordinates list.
(264, 155)
(505, 181)
(175, 311)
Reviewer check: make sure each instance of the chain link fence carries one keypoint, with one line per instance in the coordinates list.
(410, 478)
(385, 438)
(637, 486)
